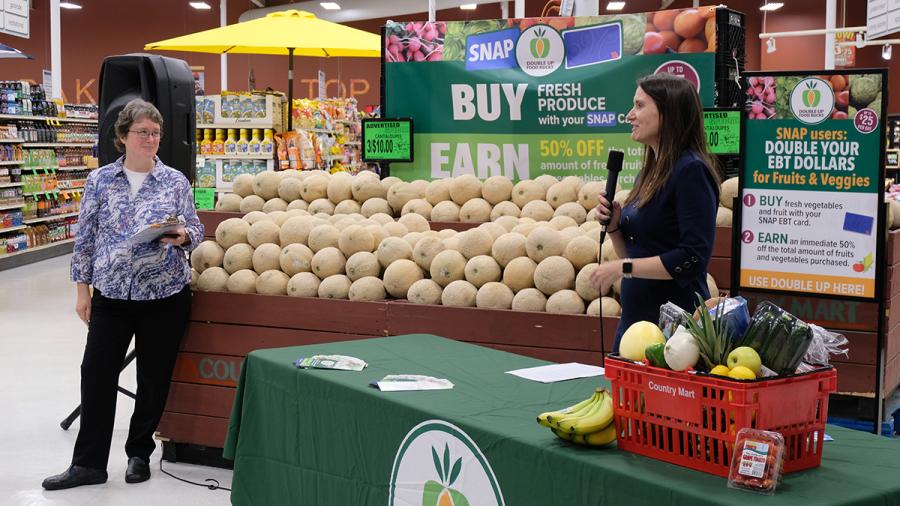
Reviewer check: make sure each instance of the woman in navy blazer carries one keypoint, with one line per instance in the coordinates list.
(664, 231)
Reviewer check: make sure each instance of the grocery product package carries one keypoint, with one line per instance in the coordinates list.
(756, 461)
(780, 338)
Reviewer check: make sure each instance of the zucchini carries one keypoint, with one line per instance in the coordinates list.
(776, 341)
(758, 330)
(801, 338)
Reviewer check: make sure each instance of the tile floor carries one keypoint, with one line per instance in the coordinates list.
(42, 341)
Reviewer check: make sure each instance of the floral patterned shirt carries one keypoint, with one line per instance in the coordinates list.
(105, 257)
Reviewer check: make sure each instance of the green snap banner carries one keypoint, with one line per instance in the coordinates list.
(527, 97)
(811, 208)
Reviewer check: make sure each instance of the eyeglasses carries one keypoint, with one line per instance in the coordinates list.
(146, 134)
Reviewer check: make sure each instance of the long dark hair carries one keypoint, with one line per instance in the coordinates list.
(680, 131)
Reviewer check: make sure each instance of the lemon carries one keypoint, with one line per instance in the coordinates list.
(742, 373)
(720, 370)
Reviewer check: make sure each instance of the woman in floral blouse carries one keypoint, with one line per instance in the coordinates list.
(140, 289)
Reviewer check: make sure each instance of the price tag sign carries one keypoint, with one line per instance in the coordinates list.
(723, 131)
(387, 140)
(204, 198)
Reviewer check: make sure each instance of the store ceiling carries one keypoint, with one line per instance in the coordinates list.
(356, 10)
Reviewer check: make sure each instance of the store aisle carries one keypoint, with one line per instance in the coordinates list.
(42, 341)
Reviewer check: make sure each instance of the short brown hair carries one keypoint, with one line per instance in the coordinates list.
(134, 110)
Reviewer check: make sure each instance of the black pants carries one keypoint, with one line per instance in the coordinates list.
(157, 327)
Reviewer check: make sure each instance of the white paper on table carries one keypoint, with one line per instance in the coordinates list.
(409, 382)
(558, 372)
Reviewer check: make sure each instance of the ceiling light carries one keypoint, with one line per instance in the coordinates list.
(770, 45)
(200, 6)
(468, 7)
(615, 6)
(330, 6)
(69, 5)
(774, 6)
(886, 52)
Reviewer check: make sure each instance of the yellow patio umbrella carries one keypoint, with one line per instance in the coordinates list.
(288, 32)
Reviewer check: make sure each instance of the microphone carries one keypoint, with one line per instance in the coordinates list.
(613, 166)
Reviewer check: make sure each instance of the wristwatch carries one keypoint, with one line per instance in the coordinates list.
(627, 268)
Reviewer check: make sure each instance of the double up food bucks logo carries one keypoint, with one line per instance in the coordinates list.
(540, 50)
(812, 101)
(438, 464)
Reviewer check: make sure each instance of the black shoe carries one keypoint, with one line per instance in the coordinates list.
(138, 470)
(75, 476)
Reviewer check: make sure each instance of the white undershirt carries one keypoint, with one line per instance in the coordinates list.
(135, 180)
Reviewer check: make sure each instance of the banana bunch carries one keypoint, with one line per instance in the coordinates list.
(590, 422)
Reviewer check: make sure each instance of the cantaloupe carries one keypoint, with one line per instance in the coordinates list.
(437, 191)
(412, 238)
(565, 302)
(447, 233)
(608, 251)
(476, 210)
(400, 275)
(482, 269)
(336, 286)
(243, 185)
(296, 230)
(571, 210)
(392, 249)
(575, 181)
(375, 205)
(321, 206)
(505, 209)
(323, 236)
(419, 207)
(382, 218)
(561, 193)
(368, 288)
(425, 250)
(303, 284)
(546, 181)
(494, 295)
(474, 242)
(266, 257)
(425, 291)
(274, 204)
(519, 273)
(445, 211)
(543, 242)
(347, 207)
(567, 234)
(451, 242)
(292, 174)
(194, 277)
(395, 229)
(507, 222)
(562, 222)
(494, 229)
(589, 193)
(378, 233)
(537, 210)
(605, 306)
(399, 194)
(711, 284)
(252, 203)
(295, 258)
(529, 299)
(265, 184)
(207, 254)
(339, 188)
(262, 232)
(459, 293)
(298, 204)
(588, 227)
(314, 187)
(728, 191)
(448, 266)
(254, 216)
(723, 217)
(362, 264)
(272, 283)
(328, 262)
(554, 274)
(238, 256)
(289, 189)
(526, 191)
(365, 187)
(524, 228)
(242, 281)
(214, 279)
(496, 189)
(279, 217)
(420, 186)
(465, 188)
(229, 203)
(508, 247)
(582, 251)
(389, 181)
(414, 223)
(354, 239)
(583, 284)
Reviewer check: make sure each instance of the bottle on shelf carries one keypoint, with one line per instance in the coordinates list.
(218, 147)
(206, 143)
(231, 142)
(243, 145)
(267, 144)
(254, 146)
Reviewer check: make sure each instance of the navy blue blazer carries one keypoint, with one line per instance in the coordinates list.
(678, 225)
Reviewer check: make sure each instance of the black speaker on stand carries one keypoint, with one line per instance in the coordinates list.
(165, 82)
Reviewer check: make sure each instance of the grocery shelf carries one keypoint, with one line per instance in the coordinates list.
(354, 143)
(248, 124)
(35, 254)
(55, 190)
(12, 206)
(49, 218)
(74, 167)
(58, 145)
(236, 157)
(41, 118)
(12, 162)
(12, 229)
(11, 141)
(11, 185)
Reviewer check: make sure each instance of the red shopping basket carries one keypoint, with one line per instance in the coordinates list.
(692, 420)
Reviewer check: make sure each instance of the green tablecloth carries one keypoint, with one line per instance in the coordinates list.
(316, 437)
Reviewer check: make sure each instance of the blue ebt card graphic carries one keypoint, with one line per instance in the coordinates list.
(858, 223)
(593, 44)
